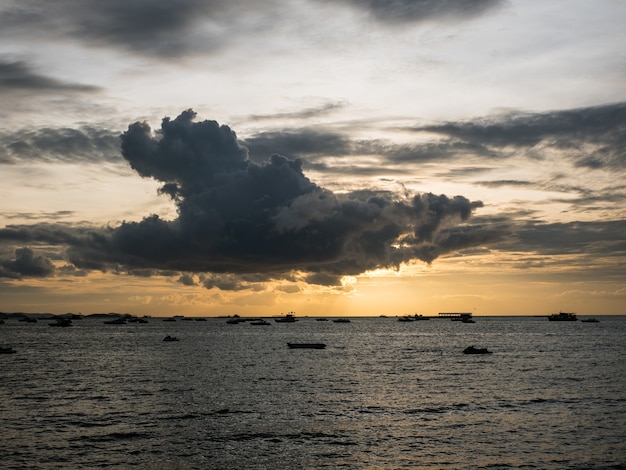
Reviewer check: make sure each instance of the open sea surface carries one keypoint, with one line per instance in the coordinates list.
(382, 395)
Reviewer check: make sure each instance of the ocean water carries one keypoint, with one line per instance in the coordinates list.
(382, 395)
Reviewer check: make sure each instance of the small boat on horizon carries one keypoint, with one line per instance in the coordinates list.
(473, 350)
(170, 338)
(288, 318)
(590, 320)
(306, 345)
(61, 322)
(341, 320)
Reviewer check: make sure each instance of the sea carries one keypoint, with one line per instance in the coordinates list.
(383, 394)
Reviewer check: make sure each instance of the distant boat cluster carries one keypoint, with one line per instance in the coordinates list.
(66, 320)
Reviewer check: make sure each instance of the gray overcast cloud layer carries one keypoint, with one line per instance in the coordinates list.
(173, 29)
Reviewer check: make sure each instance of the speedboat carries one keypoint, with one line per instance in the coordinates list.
(7, 350)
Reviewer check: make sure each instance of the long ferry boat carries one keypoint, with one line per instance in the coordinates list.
(563, 316)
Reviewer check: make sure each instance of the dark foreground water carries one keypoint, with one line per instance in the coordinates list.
(383, 394)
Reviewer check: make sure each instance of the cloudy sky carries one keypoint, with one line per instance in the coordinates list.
(329, 157)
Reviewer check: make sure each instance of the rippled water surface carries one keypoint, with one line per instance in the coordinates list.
(383, 394)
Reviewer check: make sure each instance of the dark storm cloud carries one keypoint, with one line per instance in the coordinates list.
(67, 145)
(18, 75)
(26, 264)
(404, 11)
(592, 137)
(237, 216)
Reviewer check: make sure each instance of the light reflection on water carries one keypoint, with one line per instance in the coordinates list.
(383, 394)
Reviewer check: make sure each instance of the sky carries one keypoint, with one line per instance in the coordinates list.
(326, 157)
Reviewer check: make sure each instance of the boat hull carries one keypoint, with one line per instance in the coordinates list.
(306, 345)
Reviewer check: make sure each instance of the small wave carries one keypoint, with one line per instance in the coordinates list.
(415, 411)
(114, 436)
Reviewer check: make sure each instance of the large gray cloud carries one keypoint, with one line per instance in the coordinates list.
(242, 219)
(239, 216)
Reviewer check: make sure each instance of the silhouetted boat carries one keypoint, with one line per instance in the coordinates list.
(289, 318)
(590, 320)
(7, 350)
(306, 345)
(342, 320)
(563, 316)
(116, 321)
(170, 338)
(28, 320)
(61, 322)
(260, 323)
(473, 350)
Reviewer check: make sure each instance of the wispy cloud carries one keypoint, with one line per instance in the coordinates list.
(46, 144)
(20, 76)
